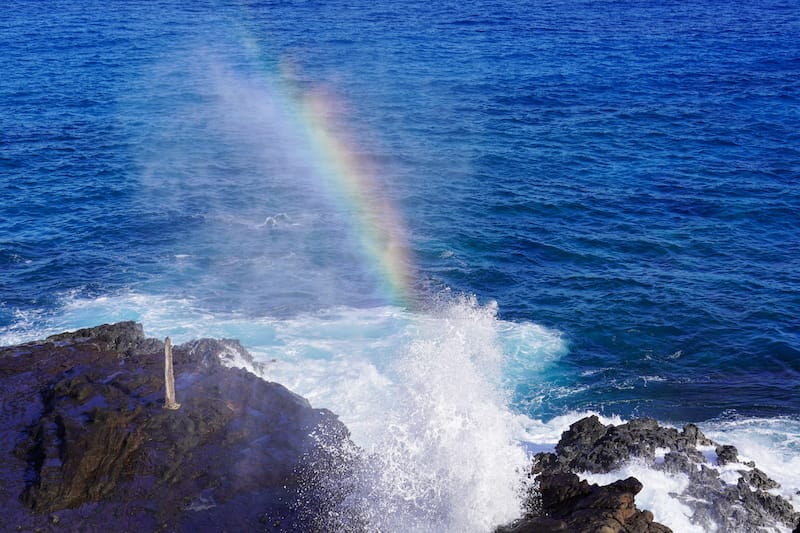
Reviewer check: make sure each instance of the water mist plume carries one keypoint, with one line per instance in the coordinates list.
(291, 213)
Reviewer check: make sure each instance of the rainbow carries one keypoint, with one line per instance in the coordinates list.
(377, 221)
(351, 181)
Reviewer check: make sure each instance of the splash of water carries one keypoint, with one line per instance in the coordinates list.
(438, 445)
(444, 454)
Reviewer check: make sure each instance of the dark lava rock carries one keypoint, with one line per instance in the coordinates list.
(127, 338)
(727, 454)
(227, 352)
(758, 479)
(694, 437)
(88, 446)
(589, 445)
(569, 504)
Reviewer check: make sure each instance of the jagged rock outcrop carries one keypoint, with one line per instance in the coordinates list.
(590, 446)
(86, 443)
(227, 352)
(125, 338)
(569, 504)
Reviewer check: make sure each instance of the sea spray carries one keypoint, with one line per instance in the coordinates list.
(657, 495)
(717, 495)
(376, 367)
(445, 454)
(438, 446)
(772, 443)
(289, 211)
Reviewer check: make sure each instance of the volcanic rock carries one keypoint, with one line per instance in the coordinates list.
(590, 446)
(727, 454)
(125, 338)
(86, 442)
(569, 504)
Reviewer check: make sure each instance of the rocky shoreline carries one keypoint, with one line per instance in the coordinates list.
(560, 501)
(88, 446)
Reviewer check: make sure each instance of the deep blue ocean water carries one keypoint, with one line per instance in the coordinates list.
(624, 173)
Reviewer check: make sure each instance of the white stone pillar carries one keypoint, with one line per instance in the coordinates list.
(169, 377)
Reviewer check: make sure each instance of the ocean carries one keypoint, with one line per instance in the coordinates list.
(458, 225)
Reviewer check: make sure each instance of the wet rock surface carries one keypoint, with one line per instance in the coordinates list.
(569, 504)
(559, 502)
(87, 444)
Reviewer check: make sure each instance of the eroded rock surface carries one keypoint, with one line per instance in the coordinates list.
(86, 442)
(590, 446)
(571, 505)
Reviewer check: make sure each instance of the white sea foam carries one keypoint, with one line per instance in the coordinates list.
(425, 397)
(23, 328)
(446, 446)
(772, 443)
(655, 495)
(422, 393)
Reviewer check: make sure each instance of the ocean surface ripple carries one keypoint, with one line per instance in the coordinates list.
(622, 176)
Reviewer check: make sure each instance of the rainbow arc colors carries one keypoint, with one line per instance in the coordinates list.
(377, 221)
(353, 181)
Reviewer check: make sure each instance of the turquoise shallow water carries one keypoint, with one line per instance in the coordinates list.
(623, 173)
